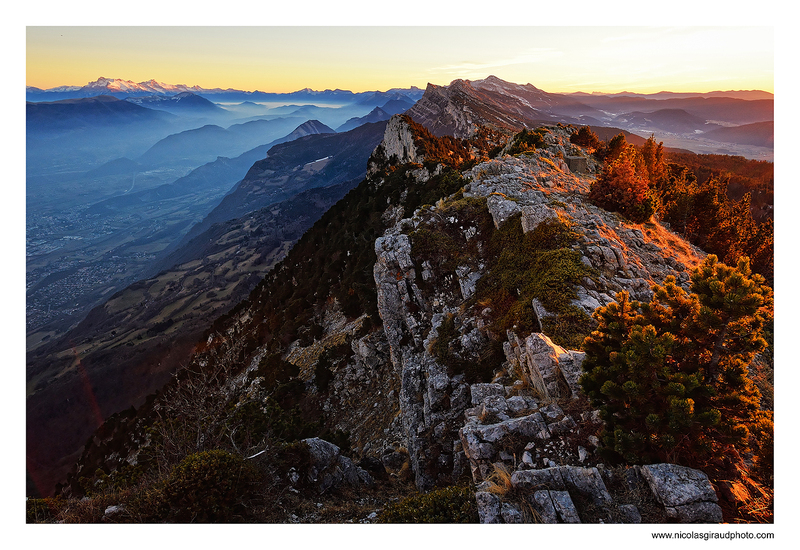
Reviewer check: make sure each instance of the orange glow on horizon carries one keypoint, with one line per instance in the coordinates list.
(287, 59)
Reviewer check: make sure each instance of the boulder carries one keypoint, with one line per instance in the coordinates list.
(539, 361)
(501, 209)
(685, 493)
(329, 469)
(535, 214)
(577, 164)
(488, 507)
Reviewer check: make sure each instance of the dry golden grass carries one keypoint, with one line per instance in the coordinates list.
(500, 484)
(499, 480)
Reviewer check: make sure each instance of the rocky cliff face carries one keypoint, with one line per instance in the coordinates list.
(459, 108)
(417, 307)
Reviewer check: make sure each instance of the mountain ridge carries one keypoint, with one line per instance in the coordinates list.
(127, 88)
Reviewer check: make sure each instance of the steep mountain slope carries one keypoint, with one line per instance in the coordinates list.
(308, 162)
(204, 144)
(112, 347)
(451, 110)
(129, 346)
(458, 109)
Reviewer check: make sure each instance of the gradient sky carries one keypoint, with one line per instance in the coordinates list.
(285, 59)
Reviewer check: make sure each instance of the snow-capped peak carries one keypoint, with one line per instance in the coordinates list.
(150, 86)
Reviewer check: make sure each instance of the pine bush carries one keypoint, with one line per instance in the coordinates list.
(671, 376)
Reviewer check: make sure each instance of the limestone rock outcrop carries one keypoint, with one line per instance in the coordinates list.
(397, 146)
(414, 306)
(553, 371)
(572, 494)
(685, 493)
(329, 469)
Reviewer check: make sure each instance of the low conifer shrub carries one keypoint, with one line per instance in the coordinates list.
(452, 504)
(670, 377)
(209, 487)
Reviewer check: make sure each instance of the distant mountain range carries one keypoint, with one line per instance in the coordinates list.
(492, 100)
(180, 103)
(86, 112)
(120, 88)
(736, 94)
(460, 107)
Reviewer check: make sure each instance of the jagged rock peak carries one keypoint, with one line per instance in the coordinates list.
(397, 146)
(398, 140)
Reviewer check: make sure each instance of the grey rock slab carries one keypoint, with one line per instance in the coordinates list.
(480, 391)
(674, 485)
(543, 505)
(630, 513)
(587, 481)
(510, 513)
(548, 478)
(696, 512)
(565, 508)
(488, 507)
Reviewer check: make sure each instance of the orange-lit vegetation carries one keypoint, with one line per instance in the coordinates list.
(721, 204)
(623, 186)
(585, 137)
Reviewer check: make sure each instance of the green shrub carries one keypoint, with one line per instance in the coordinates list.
(446, 332)
(209, 487)
(449, 505)
(585, 137)
(528, 140)
(539, 264)
(670, 377)
(249, 425)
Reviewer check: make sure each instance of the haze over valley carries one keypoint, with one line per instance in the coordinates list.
(112, 183)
